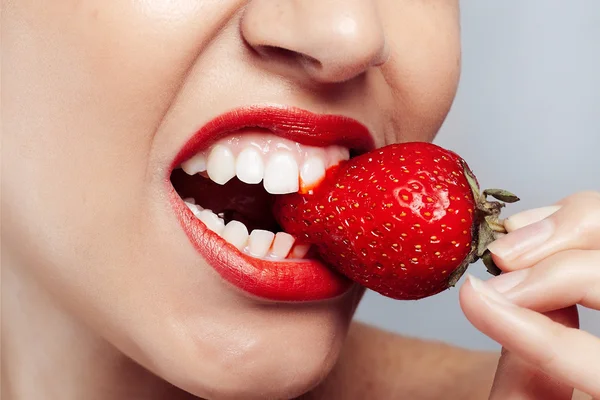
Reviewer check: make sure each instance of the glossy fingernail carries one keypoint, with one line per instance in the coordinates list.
(487, 292)
(529, 217)
(507, 281)
(519, 242)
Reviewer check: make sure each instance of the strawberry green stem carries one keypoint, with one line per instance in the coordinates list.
(487, 226)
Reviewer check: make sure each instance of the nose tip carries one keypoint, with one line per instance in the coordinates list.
(332, 41)
(348, 48)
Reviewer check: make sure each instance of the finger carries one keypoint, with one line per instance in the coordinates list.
(529, 217)
(519, 379)
(575, 225)
(567, 354)
(571, 277)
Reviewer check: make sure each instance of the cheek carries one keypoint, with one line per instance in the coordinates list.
(424, 66)
(89, 83)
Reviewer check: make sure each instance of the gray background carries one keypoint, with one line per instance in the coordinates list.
(527, 118)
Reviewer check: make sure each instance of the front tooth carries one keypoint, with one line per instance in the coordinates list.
(249, 166)
(338, 154)
(212, 221)
(281, 174)
(221, 164)
(195, 164)
(236, 233)
(312, 171)
(282, 245)
(299, 251)
(344, 153)
(260, 242)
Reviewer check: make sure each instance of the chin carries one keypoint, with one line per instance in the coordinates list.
(261, 365)
(290, 371)
(277, 356)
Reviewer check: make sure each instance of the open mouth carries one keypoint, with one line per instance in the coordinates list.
(230, 187)
(223, 185)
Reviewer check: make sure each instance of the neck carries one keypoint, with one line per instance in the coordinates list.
(46, 353)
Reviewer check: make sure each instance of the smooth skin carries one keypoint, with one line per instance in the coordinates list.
(102, 294)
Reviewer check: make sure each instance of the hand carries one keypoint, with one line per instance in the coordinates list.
(551, 260)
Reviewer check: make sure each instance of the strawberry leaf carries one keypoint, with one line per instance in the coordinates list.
(502, 195)
(489, 263)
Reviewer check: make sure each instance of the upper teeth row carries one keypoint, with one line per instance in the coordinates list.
(259, 243)
(282, 169)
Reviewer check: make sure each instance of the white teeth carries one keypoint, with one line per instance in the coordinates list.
(282, 166)
(249, 166)
(282, 245)
(236, 233)
(221, 164)
(194, 208)
(312, 171)
(299, 251)
(260, 242)
(344, 153)
(195, 164)
(212, 221)
(338, 154)
(281, 174)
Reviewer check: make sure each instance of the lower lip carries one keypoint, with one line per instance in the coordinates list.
(271, 280)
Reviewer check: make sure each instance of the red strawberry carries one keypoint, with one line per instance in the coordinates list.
(404, 220)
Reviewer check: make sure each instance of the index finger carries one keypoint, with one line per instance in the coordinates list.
(574, 224)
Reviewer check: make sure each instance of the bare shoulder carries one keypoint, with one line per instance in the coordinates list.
(377, 364)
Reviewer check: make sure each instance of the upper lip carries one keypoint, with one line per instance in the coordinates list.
(296, 124)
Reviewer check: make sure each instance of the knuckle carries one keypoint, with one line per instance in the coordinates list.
(592, 197)
(586, 215)
(591, 294)
(589, 198)
(591, 224)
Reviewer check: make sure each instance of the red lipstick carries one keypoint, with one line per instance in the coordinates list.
(285, 280)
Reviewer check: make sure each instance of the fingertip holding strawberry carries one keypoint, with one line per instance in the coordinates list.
(404, 220)
(522, 240)
(508, 281)
(488, 292)
(528, 231)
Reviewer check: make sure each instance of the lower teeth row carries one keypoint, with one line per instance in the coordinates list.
(259, 243)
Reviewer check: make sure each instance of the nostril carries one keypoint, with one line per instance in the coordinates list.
(267, 51)
(283, 54)
(309, 61)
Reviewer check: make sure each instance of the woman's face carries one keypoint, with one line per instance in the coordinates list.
(101, 98)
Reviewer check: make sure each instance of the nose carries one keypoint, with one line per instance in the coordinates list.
(332, 40)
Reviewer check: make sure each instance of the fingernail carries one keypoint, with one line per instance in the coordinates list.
(486, 292)
(519, 242)
(505, 282)
(529, 217)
